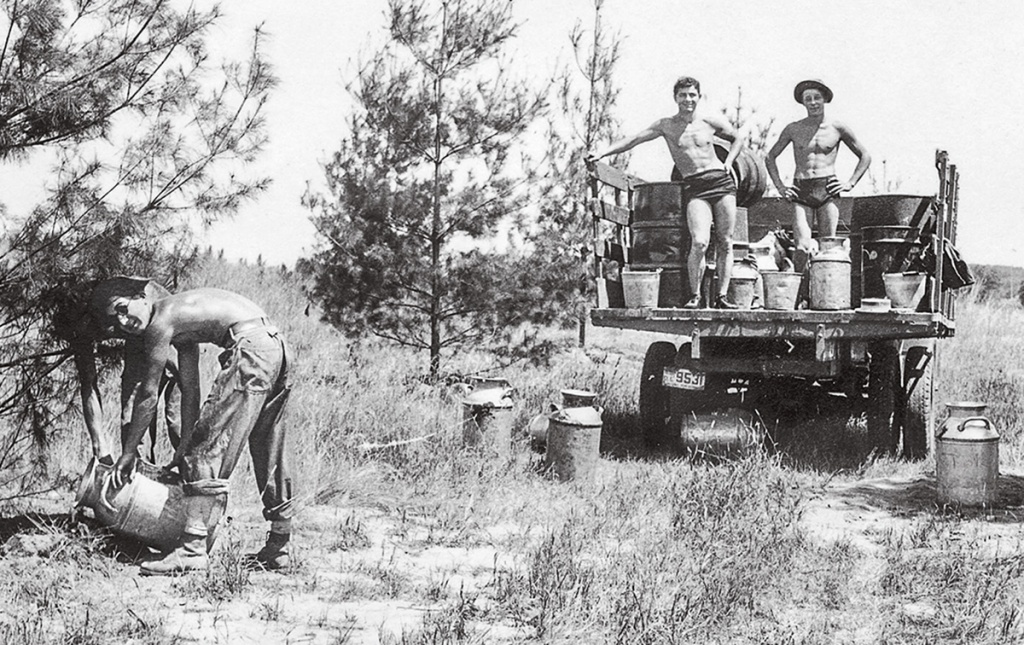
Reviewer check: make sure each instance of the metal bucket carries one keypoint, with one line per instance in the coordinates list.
(728, 432)
(904, 290)
(967, 457)
(641, 288)
(830, 276)
(781, 289)
(487, 416)
(885, 249)
(150, 508)
(573, 440)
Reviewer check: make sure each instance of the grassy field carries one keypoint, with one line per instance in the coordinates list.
(430, 542)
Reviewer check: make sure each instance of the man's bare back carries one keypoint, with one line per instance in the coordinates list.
(201, 315)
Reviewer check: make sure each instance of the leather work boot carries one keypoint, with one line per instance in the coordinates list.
(274, 554)
(189, 556)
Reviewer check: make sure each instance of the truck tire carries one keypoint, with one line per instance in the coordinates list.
(918, 392)
(884, 387)
(654, 410)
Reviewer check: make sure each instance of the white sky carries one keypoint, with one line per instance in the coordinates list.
(909, 77)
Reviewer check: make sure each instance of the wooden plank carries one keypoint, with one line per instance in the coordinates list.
(845, 325)
(603, 210)
(613, 176)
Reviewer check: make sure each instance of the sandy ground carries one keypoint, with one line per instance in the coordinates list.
(324, 599)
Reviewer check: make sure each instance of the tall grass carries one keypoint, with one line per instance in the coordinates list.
(985, 363)
(658, 549)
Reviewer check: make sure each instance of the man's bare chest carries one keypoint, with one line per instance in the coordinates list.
(823, 138)
(689, 135)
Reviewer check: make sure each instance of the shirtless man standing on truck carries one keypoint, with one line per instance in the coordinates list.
(815, 140)
(707, 183)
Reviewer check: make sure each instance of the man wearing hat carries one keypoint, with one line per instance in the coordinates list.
(815, 140)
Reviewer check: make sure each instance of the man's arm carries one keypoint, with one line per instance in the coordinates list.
(785, 138)
(627, 143)
(131, 376)
(863, 156)
(150, 365)
(92, 403)
(188, 381)
(724, 130)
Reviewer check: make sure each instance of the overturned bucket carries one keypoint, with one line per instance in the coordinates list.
(574, 437)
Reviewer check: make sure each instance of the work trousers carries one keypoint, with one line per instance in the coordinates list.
(245, 405)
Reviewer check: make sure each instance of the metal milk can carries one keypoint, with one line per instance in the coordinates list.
(830, 272)
(150, 508)
(967, 456)
(487, 415)
(745, 287)
(574, 436)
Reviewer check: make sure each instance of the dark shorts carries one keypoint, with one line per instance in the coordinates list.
(708, 185)
(814, 192)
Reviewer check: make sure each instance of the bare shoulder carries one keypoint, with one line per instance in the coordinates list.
(662, 125)
(841, 127)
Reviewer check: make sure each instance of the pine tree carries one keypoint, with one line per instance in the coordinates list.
(586, 97)
(148, 136)
(418, 188)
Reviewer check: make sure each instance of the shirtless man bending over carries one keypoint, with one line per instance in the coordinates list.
(815, 140)
(243, 406)
(708, 186)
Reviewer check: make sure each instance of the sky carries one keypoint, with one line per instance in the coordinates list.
(908, 76)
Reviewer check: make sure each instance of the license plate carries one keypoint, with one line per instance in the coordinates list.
(682, 378)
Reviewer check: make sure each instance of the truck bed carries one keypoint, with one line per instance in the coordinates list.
(791, 325)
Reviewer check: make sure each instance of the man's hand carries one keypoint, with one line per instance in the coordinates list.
(174, 464)
(834, 187)
(123, 469)
(789, 193)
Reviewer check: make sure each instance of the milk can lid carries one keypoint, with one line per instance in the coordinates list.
(968, 430)
(586, 417)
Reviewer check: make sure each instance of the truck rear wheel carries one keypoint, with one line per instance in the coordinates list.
(654, 409)
(884, 386)
(918, 398)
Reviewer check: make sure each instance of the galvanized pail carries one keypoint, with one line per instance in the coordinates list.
(781, 289)
(967, 457)
(641, 288)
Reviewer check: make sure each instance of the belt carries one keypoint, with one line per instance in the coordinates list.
(236, 330)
